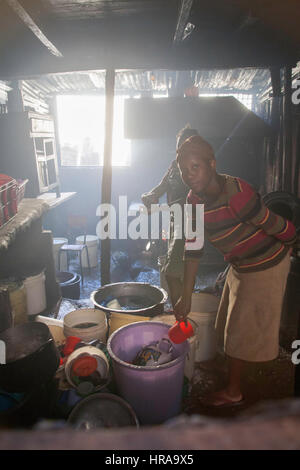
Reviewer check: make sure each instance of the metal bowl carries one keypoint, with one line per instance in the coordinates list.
(149, 299)
(102, 410)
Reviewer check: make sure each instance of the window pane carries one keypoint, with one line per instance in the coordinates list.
(81, 121)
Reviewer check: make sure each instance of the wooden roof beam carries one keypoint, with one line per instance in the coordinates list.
(29, 22)
(183, 17)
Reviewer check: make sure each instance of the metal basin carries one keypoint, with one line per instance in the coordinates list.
(135, 298)
(102, 410)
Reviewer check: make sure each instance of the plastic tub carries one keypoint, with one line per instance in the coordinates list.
(84, 316)
(206, 335)
(189, 365)
(35, 294)
(57, 244)
(92, 244)
(155, 393)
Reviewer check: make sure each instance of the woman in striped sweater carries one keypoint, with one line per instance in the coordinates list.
(257, 244)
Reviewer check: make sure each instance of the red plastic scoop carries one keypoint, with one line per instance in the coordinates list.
(180, 332)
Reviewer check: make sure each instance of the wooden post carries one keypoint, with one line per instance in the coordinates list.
(287, 130)
(107, 168)
(273, 163)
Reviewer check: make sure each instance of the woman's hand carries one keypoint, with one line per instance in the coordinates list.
(182, 308)
(148, 200)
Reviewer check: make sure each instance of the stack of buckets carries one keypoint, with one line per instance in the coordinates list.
(92, 244)
(154, 393)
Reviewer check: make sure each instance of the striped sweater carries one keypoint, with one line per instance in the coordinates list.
(242, 228)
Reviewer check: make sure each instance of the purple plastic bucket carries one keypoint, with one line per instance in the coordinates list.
(155, 393)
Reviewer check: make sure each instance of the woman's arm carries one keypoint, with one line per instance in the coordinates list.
(183, 306)
(249, 208)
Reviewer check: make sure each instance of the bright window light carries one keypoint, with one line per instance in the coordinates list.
(81, 121)
(245, 99)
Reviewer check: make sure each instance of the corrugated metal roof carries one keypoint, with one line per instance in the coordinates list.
(247, 80)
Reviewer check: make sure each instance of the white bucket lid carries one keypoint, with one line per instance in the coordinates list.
(90, 239)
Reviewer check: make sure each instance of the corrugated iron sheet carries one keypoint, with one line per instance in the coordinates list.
(38, 91)
(247, 80)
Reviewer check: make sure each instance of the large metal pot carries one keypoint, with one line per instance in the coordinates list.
(150, 298)
(31, 357)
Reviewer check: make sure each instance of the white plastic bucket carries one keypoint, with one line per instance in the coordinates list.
(189, 365)
(92, 244)
(103, 364)
(206, 335)
(86, 315)
(35, 294)
(17, 297)
(57, 244)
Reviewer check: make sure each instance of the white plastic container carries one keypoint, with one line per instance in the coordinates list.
(85, 316)
(103, 364)
(57, 244)
(92, 244)
(35, 294)
(189, 366)
(206, 335)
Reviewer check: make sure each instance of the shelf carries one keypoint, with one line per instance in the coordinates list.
(29, 211)
(53, 201)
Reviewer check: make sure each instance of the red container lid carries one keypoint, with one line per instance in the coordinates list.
(84, 366)
(71, 342)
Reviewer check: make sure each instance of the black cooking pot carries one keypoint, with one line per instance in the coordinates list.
(31, 357)
(285, 204)
(71, 289)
